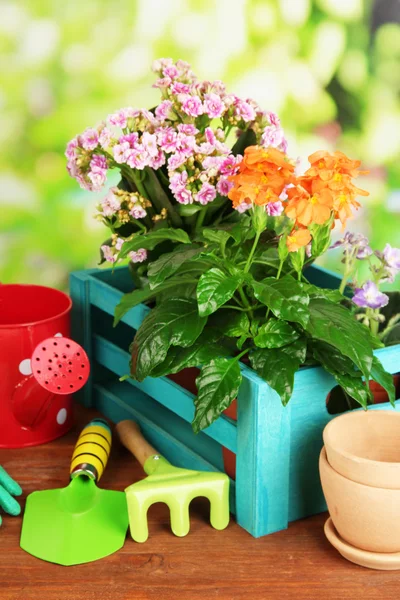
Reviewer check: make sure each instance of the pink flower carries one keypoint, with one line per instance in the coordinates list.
(110, 204)
(108, 254)
(210, 136)
(161, 63)
(118, 119)
(105, 137)
(149, 142)
(164, 110)
(230, 164)
(98, 178)
(192, 106)
(206, 194)
(273, 137)
(187, 129)
(179, 88)
(183, 196)
(176, 160)
(139, 256)
(274, 209)
(89, 139)
(138, 212)
(224, 186)
(205, 148)
(157, 161)
(245, 111)
(171, 72)
(213, 106)
(186, 143)
(162, 83)
(178, 181)
(131, 138)
(167, 139)
(119, 152)
(98, 162)
(137, 158)
(273, 119)
(183, 66)
(119, 243)
(70, 150)
(242, 207)
(212, 162)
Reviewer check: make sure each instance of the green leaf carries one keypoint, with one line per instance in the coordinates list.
(151, 239)
(330, 358)
(175, 322)
(354, 387)
(187, 210)
(275, 334)
(169, 263)
(285, 297)
(282, 248)
(297, 259)
(214, 289)
(278, 366)
(315, 292)
(335, 325)
(233, 323)
(321, 238)
(218, 236)
(243, 230)
(247, 138)
(207, 347)
(218, 384)
(384, 379)
(270, 257)
(158, 196)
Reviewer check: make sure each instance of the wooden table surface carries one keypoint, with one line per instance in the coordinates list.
(230, 565)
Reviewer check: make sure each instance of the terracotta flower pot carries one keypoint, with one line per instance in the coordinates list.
(366, 517)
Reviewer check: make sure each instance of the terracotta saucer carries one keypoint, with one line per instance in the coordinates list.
(383, 561)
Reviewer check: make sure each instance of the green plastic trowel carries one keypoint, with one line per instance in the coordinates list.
(80, 523)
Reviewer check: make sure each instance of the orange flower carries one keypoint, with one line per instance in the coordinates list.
(325, 165)
(297, 239)
(342, 205)
(306, 208)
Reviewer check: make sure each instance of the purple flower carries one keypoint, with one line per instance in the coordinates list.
(138, 212)
(108, 254)
(179, 88)
(164, 110)
(391, 256)
(213, 106)
(274, 209)
(89, 139)
(187, 129)
(369, 296)
(192, 106)
(354, 242)
(110, 204)
(176, 160)
(183, 196)
(224, 186)
(139, 256)
(206, 193)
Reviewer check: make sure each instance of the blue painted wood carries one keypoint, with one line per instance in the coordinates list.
(277, 448)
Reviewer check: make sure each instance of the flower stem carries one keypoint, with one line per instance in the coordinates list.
(253, 249)
(200, 218)
(280, 269)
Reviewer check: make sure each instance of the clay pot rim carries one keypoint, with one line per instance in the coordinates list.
(326, 434)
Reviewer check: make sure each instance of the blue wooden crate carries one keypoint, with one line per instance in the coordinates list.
(276, 447)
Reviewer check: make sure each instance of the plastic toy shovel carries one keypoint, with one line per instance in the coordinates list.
(79, 523)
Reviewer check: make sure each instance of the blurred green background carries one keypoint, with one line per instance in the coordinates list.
(330, 68)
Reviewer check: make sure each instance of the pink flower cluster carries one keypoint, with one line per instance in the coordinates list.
(186, 134)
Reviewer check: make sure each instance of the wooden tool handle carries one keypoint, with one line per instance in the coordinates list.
(132, 438)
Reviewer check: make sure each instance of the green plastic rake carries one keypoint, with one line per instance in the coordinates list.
(166, 483)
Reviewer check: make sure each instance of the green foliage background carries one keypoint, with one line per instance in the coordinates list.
(66, 65)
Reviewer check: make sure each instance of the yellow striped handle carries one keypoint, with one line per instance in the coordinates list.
(92, 450)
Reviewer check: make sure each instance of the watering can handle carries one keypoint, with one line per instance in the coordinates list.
(132, 438)
(92, 450)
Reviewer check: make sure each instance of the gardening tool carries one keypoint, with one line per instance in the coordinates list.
(29, 414)
(79, 523)
(165, 483)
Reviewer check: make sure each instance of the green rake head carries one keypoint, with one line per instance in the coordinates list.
(166, 483)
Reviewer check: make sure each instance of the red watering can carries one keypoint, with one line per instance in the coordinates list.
(39, 366)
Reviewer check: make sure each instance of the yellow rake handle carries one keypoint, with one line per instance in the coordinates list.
(92, 450)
